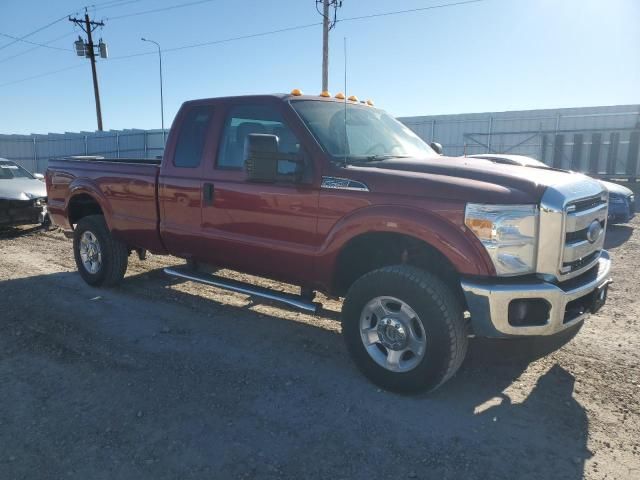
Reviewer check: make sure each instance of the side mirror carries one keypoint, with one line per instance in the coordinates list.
(436, 147)
(261, 157)
(264, 163)
(38, 176)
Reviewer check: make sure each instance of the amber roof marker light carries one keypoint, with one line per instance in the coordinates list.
(325, 94)
(296, 92)
(340, 96)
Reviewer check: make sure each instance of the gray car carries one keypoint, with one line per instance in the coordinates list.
(622, 206)
(23, 196)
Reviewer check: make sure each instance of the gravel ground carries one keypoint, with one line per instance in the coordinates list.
(164, 379)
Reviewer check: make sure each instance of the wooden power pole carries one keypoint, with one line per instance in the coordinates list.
(88, 50)
(327, 24)
(325, 45)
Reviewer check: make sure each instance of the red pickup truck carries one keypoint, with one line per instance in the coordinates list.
(335, 195)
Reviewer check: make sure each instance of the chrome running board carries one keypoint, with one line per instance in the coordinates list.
(240, 287)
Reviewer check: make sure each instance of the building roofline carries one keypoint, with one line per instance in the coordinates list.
(541, 111)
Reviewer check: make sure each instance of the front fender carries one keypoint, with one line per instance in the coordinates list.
(454, 242)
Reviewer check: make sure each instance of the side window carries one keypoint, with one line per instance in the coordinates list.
(193, 133)
(247, 119)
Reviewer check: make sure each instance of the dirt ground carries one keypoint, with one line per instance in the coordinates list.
(165, 379)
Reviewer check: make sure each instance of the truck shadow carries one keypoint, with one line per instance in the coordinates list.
(211, 377)
(617, 235)
(15, 232)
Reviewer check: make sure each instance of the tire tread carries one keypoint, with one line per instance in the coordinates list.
(116, 252)
(442, 297)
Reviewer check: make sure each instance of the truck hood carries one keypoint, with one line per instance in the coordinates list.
(22, 189)
(478, 180)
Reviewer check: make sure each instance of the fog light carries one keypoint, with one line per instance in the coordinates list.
(529, 312)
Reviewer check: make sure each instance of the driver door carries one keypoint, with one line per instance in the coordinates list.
(266, 229)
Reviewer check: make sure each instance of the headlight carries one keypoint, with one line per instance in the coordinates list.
(509, 233)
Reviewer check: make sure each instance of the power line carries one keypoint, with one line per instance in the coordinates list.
(296, 27)
(52, 72)
(155, 10)
(332, 23)
(224, 40)
(119, 3)
(184, 47)
(111, 4)
(254, 35)
(411, 10)
(17, 39)
(101, 6)
(24, 52)
(48, 42)
(107, 4)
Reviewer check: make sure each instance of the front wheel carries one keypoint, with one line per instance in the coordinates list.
(101, 259)
(404, 328)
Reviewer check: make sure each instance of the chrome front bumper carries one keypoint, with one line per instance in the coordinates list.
(489, 302)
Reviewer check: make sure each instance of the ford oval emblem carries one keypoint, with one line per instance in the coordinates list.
(594, 231)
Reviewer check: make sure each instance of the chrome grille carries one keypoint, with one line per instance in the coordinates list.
(573, 219)
(585, 223)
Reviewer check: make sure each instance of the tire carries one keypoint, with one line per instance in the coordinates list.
(110, 256)
(437, 341)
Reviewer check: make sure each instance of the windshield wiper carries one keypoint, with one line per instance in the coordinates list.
(385, 156)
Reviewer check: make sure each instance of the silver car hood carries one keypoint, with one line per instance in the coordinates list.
(22, 189)
(615, 188)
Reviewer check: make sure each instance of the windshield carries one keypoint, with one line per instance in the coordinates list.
(369, 134)
(9, 170)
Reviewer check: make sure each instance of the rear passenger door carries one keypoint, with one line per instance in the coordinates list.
(179, 184)
(266, 229)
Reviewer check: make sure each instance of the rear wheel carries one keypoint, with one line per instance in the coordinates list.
(404, 328)
(101, 259)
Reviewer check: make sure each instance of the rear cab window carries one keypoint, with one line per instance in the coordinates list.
(192, 137)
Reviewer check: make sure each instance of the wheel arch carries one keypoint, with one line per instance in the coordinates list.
(372, 250)
(85, 200)
(390, 236)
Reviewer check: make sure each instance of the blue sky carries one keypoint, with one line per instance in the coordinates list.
(493, 55)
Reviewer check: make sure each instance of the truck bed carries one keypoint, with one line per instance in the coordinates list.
(125, 188)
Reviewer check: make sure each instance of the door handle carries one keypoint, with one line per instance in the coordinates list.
(208, 194)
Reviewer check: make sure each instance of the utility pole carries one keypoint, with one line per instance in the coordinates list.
(327, 24)
(87, 49)
(325, 45)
